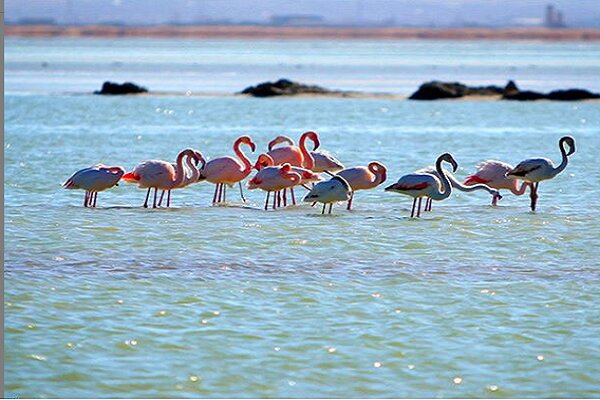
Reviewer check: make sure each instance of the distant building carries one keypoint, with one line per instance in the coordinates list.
(296, 20)
(553, 17)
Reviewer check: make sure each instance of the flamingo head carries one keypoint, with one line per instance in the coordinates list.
(569, 141)
(331, 191)
(326, 162)
(264, 160)
(449, 159)
(312, 136)
(379, 169)
(245, 140)
(199, 158)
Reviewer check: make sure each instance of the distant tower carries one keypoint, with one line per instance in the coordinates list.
(553, 17)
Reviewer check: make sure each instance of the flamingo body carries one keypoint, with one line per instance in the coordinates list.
(361, 178)
(334, 190)
(493, 174)
(94, 179)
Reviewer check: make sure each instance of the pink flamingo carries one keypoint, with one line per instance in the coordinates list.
(493, 174)
(274, 179)
(361, 178)
(535, 170)
(228, 171)
(426, 185)
(187, 180)
(307, 176)
(159, 174)
(93, 180)
(323, 161)
(459, 186)
(297, 156)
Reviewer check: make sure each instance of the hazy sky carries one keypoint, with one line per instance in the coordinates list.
(401, 12)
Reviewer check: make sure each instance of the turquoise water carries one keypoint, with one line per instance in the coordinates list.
(201, 301)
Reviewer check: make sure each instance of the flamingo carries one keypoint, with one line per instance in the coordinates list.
(94, 179)
(159, 174)
(274, 179)
(361, 178)
(227, 170)
(187, 180)
(459, 186)
(420, 185)
(493, 174)
(307, 176)
(297, 156)
(323, 161)
(535, 170)
(328, 192)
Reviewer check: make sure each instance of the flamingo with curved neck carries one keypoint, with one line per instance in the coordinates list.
(228, 170)
(274, 179)
(159, 174)
(459, 186)
(535, 170)
(418, 185)
(361, 178)
(192, 165)
(308, 160)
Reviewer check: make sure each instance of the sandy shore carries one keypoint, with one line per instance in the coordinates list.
(268, 32)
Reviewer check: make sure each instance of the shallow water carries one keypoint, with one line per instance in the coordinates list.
(201, 301)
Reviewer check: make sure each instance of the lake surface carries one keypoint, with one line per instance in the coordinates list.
(232, 301)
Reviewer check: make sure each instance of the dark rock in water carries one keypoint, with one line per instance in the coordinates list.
(112, 88)
(524, 95)
(511, 88)
(439, 90)
(572, 95)
(284, 87)
(450, 90)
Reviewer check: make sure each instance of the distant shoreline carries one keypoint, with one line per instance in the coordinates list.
(327, 33)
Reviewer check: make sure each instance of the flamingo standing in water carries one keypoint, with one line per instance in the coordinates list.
(328, 192)
(93, 180)
(307, 176)
(274, 179)
(297, 156)
(361, 178)
(323, 161)
(493, 174)
(459, 186)
(160, 174)
(426, 185)
(228, 171)
(192, 165)
(535, 170)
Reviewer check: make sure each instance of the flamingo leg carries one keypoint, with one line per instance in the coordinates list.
(274, 199)
(162, 194)
(215, 195)
(95, 194)
(169, 198)
(313, 204)
(278, 198)
(154, 202)
(330, 207)
(242, 192)
(323, 212)
(147, 196)
(419, 208)
(285, 197)
(220, 195)
(267, 201)
(85, 198)
(293, 196)
(224, 192)
(412, 212)
(350, 201)
(534, 195)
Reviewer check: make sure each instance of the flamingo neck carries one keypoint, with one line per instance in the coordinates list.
(446, 186)
(463, 188)
(565, 159)
(180, 171)
(309, 160)
(520, 191)
(195, 172)
(379, 171)
(243, 158)
(280, 139)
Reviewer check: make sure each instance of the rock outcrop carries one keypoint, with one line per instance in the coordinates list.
(111, 88)
(449, 90)
(285, 87)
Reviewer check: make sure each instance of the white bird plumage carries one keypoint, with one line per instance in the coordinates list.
(335, 190)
